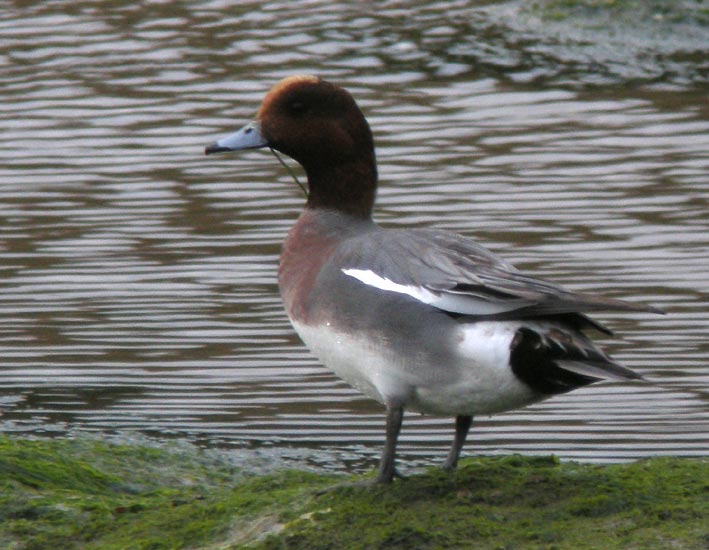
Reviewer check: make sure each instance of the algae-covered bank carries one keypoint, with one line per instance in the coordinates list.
(87, 493)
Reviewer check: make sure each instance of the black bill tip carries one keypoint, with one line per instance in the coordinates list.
(215, 148)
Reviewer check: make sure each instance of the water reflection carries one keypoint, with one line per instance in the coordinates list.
(137, 281)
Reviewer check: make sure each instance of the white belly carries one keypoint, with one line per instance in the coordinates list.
(478, 379)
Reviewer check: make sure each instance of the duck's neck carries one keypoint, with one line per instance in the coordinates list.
(348, 187)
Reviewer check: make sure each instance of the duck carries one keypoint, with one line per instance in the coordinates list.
(416, 319)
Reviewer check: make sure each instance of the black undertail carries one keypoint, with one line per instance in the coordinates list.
(537, 360)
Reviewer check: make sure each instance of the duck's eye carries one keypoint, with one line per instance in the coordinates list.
(297, 107)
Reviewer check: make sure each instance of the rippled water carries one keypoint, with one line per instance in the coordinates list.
(137, 277)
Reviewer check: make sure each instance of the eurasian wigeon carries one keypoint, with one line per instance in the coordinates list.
(417, 319)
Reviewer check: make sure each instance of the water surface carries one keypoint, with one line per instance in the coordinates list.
(137, 277)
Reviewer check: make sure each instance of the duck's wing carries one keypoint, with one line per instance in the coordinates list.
(459, 276)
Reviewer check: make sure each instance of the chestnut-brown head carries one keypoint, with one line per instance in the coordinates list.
(318, 124)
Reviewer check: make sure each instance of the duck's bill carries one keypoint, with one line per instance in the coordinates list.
(249, 137)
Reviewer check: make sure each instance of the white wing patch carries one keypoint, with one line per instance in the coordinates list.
(370, 278)
(447, 301)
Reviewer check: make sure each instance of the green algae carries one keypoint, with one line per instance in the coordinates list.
(517, 502)
(592, 43)
(87, 493)
(693, 11)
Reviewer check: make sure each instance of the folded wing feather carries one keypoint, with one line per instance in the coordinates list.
(457, 275)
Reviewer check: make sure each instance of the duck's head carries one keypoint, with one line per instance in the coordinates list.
(319, 125)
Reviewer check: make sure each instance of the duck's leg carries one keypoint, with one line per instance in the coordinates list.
(387, 470)
(462, 425)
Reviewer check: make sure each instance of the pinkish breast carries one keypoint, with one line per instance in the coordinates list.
(308, 246)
